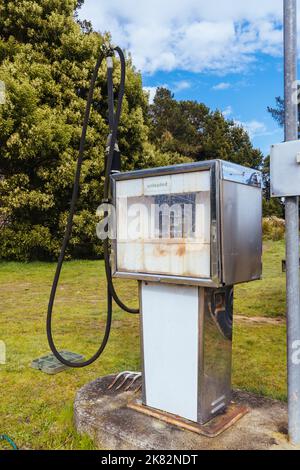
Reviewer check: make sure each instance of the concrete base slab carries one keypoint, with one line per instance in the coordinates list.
(104, 415)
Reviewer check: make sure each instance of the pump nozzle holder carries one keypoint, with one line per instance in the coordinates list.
(107, 49)
(109, 62)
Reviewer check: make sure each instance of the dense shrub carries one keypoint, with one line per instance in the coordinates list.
(46, 62)
(273, 228)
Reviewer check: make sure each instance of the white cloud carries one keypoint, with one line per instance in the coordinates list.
(151, 90)
(181, 85)
(194, 35)
(221, 86)
(227, 112)
(254, 128)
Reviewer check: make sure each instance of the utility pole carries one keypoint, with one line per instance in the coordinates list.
(292, 223)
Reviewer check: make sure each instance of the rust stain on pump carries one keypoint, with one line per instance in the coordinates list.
(161, 251)
(181, 251)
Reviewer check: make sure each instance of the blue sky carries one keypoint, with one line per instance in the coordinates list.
(224, 53)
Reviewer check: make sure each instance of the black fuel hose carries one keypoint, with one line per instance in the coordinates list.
(111, 292)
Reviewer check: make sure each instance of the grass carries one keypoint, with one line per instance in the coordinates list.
(36, 409)
(265, 298)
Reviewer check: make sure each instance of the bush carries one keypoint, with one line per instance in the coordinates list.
(273, 228)
(273, 207)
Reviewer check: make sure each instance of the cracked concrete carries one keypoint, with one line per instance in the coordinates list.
(104, 416)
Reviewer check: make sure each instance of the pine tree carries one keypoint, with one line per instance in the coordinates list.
(193, 130)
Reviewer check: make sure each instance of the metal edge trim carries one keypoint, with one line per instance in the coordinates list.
(168, 170)
(144, 393)
(216, 274)
(114, 250)
(167, 279)
(244, 177)
(201, 307)
(215, 254)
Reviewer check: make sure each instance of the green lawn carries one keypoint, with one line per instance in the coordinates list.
(266, 297)
(36, 409)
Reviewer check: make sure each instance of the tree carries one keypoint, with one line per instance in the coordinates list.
(277, 113)
(86, 26)
(79, 4)
(46, 61)
(192, 130)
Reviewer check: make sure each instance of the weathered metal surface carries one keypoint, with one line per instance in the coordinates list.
(212, 429)
(241, 233)
(169, 248)
(240, 174)
(224, 246)
(215, 351)
(230, 172)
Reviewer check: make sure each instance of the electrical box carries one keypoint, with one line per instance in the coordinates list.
(285, 169)
(196, 224)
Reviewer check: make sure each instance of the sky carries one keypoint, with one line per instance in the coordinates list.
(224, 53)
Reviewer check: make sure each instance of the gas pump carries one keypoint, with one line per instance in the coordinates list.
(198, 234)
(187, 234)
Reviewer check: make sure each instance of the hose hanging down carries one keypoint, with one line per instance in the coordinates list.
(114, 120)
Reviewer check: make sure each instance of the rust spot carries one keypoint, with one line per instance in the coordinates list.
(161, 251)
(181, 250)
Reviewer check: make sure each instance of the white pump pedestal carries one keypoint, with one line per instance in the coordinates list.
(186, 349)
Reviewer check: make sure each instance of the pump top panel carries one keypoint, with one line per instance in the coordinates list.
(196, 224)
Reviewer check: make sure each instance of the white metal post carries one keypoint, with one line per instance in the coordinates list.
(292, 222)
